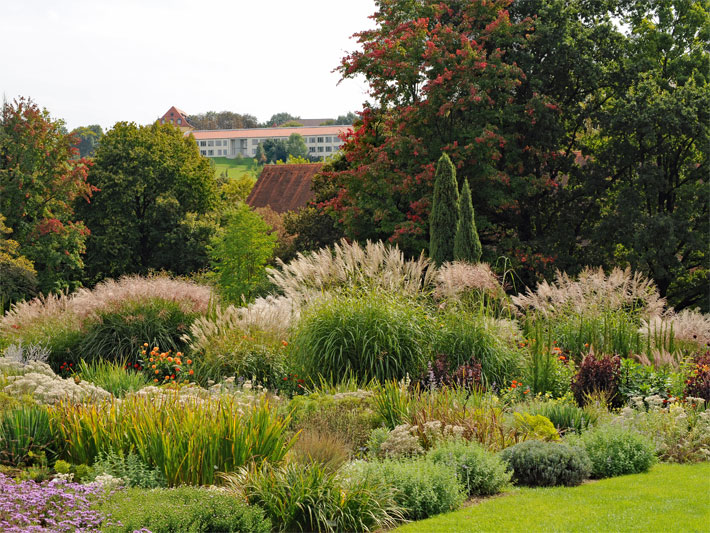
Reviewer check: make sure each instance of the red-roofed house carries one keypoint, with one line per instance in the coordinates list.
(284, 187)
(177, 117)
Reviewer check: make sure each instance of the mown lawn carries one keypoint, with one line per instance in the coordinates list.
(233, 167)
(670, 498)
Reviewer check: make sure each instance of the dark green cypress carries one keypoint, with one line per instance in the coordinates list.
(467, 246)
(444, 212)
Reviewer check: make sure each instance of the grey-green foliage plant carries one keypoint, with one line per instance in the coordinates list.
(189, 509)
(616, 451)
(370, 335)
(421, 487)
(467, 245)
(239, 253)
(481, 472)
(444, 212)
(544, 464)
(130, 468)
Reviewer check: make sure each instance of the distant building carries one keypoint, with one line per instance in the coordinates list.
(178, 118)
(284, 187)
(309, 121)
(321, 141)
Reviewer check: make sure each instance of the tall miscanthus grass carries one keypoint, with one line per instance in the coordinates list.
(368, 335)
(471, 287)
(593, 293)
(676, 335)
(188, 440)
(350, 265)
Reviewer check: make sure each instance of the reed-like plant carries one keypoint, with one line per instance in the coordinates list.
(112, 376)
(392, 402)
(188, 440)
(25, 434)
(370, 335)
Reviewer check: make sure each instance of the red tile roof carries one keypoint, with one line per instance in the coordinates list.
(269, 132)
(173, 114)
(284, 187)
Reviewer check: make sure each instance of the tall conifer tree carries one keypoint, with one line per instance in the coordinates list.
(467, 246)
(444, 212)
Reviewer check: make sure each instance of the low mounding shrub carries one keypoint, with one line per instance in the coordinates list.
(463, 336)
(370, 335)
(312, 498)
(422, 487)
(25, 434)
(545, 464)
(598, 376)
(481, 472)
(182, 509)
(615, 451)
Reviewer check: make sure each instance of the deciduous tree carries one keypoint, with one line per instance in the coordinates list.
(40, 179)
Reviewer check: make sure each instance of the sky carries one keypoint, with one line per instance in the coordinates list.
(100, 62)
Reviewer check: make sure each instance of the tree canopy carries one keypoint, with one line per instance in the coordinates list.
(153, 187)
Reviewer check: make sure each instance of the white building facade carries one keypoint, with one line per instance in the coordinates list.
(321, 141)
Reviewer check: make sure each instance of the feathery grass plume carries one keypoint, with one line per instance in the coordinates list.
(459, 277)
(593, 292)
(467, 245)
(376, 265)
(107, 295)
(688, 327)
(444, 212)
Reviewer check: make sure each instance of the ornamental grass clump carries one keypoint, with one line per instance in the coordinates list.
(313, 498)
(545, 464)
(369, 335)
(114, 377)
(26, 435)
(188, 439)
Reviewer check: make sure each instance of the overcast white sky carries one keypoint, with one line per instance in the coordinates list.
(101, 61)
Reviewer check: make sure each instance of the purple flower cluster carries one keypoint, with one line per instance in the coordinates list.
(43, 507)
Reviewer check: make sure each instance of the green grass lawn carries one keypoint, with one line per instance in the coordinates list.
(233, 167)
(669, 498)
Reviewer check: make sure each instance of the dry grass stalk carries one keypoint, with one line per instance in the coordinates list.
(459, 277)
(661, 359)
(105, 296)
(376, 265)
(271, 314)
(688, 325)
(592, 293)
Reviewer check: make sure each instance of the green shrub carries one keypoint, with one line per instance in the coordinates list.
(25, 435)
(642, 380)
(112, 376)
(462, 336)
(312, 498)
(377, 438)
(535, 427)
(615, 451)
(188, 509)
(370, 336)
(118, 334)
(422, 488)
(545, 464)
(347, 416)
(481, 472)
(130, 468)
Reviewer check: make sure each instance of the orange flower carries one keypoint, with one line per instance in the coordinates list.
(191, 372)
(155, 380)
(179, 354)
(172, 377)
(170, 359)
(152, 366)
(145, 344)
(156, 348)
(177, 369)
(142, 352)
(284, 343)
(189, 361)
(526, 391)
(157, 371)
(151, 359)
